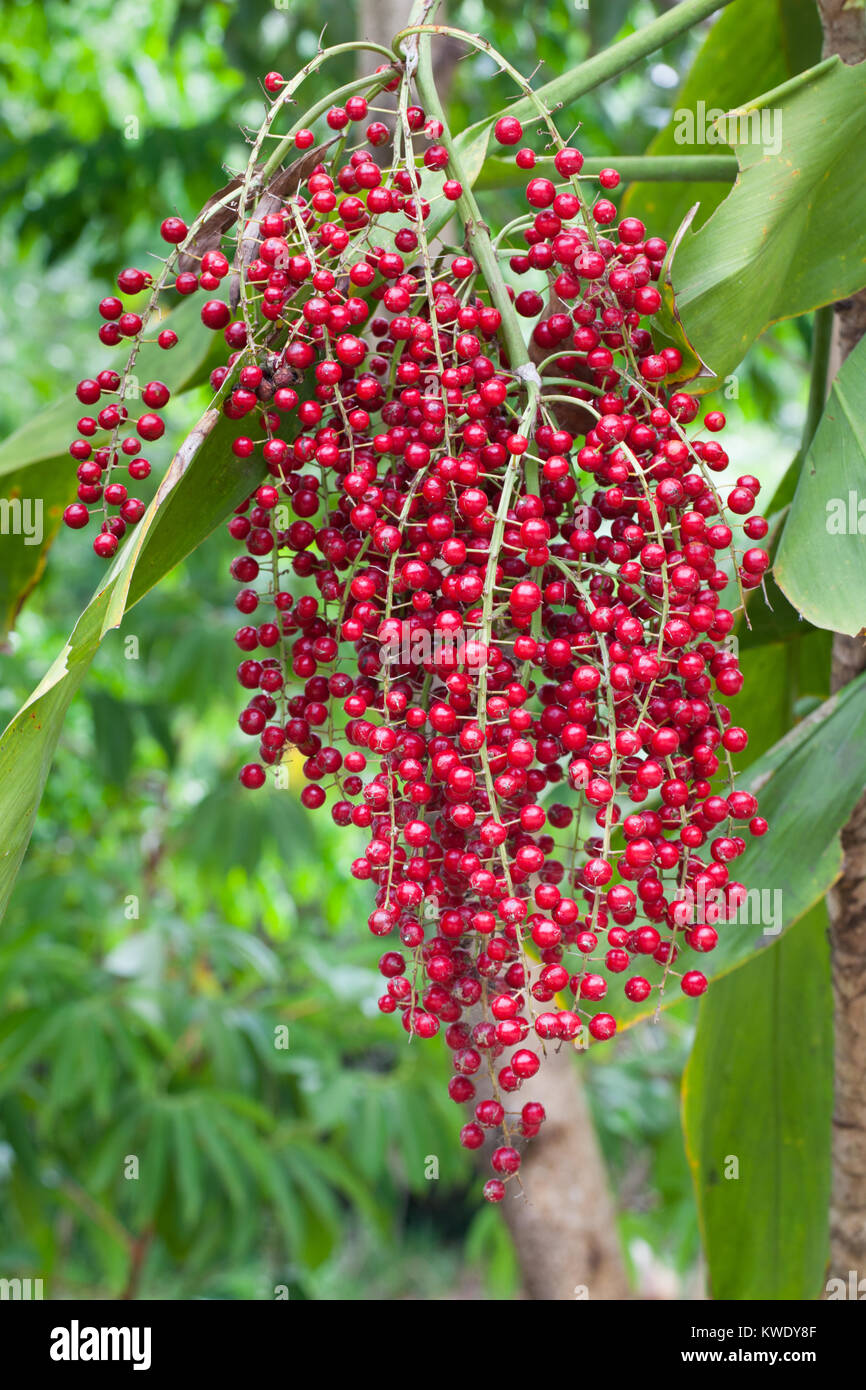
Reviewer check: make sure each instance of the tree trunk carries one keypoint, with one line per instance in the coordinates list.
(564, 1226)
(845, 35)
(380, 20)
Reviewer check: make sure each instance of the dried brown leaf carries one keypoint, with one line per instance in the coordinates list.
(283, 185)
(212, 230)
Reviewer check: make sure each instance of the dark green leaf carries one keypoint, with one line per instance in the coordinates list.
(757, 1106)
(821, 562)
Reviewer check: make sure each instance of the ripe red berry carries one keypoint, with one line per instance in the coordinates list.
(508, 130)
(150, 426)
(76, 516)
(173, 230)
(215, 314)
(105, 544)
(540, 193)
(132, 281)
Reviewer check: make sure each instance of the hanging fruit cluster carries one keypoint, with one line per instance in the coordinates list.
(480, 583)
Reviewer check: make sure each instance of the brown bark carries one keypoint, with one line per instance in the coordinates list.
(845, 35)
(847, 909)
(843, 24)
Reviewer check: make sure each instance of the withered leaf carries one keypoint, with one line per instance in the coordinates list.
(287, 181)
(211, 231)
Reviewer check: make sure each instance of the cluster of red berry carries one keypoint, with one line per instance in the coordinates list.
(485, 564)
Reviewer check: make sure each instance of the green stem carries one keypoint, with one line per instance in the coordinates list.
(477, 233)
(675, 168)
(334, 98)
(822, 335)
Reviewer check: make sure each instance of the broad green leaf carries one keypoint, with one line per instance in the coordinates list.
(785, 882)
(37, 475)
(757, 1107)
(766, 253)
(766, 703)
(768, 616)
(202, 486)
(31, 512)
(773, 620)
(821, 562)
(752, 46)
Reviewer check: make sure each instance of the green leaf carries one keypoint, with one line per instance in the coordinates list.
(37, 475)
(489, 1247)
(785, 883)
(757, 1108)
(158, 723)
(31, 509)
(765, 254)
(114, 737)
(821, 562)
(752, 46)
(771, 618)
(202, 486)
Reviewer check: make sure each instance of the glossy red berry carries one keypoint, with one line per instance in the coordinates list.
(173, 230)
(215, 314)
(508, 130)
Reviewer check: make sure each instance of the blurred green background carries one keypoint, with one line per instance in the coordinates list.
(165, 925)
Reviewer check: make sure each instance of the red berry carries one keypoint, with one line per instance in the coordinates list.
(105, 544)
(173, 230)
(508, 130)
(215, 314)
(76, 516)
